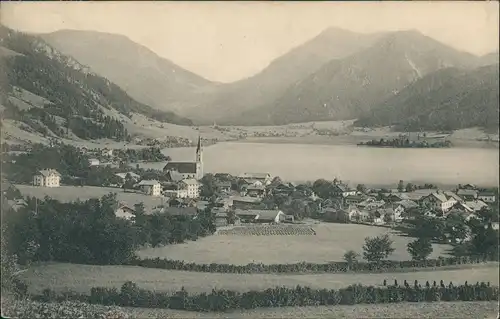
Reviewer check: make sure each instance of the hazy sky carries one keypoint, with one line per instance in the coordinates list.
(227, 41)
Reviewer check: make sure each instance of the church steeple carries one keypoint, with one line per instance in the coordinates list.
(199, 160)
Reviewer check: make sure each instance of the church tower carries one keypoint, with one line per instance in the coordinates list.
(199, 160)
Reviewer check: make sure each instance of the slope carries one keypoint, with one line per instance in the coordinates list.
(448, 99)
(144, 75)
(347, 88)
(77, 99)
(162, 84)
(263, 88)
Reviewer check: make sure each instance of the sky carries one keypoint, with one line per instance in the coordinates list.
(228, 41)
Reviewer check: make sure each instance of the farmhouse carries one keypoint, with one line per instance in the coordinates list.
(342, 190)
(47, 178)
(246, 203)
(107, 152)
(334, 215)
(132, 175)
(354, 199)
(150, 187)
(179, 211)
(402, 208)
(223, 187)
(260, 216)
(125, 212)
(93, 162)
(255, 191)
(188, 169)
(476, 205)
(487, 197)
(191, 186)
(265, 178)
(438, 201)
(467, 194)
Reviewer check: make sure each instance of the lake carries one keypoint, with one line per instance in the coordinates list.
(371, 166)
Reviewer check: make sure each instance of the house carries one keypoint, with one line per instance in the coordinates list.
(255, 191)
(188, 170)
(260, 216)
(402, 208)
(342, 190)
(17, 204)
(467, 194)
(47, 178)
(174, 176)
(371, 204)
(125, 212)
(221, 219)
(282, 189)
(476, 205)
(107, 152)
(246, 203)
(381, 214)
(438, 201)
(93, 162)
(180, 211)
(150, 187)
(223, 187)
(132, 175)
(358, 215)
(265, 178)
(191, 186)
(467, 186)
(487, 197)
(354, 199)
(334, 215)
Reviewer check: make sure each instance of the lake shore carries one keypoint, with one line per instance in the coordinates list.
(354, 140)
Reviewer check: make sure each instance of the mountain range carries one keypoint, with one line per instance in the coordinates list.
(337, 75)
(55, 95)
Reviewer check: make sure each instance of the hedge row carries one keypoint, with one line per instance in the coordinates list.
(221, 300)
(334, 267)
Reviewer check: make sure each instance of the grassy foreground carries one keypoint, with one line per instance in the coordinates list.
(476, 309)
(81, 278)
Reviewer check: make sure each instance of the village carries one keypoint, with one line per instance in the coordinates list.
(182, 188)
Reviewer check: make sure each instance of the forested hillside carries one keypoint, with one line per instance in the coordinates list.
(449, 99)
(76, 100)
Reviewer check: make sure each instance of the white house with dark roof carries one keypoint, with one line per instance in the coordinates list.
(150, 187)
(192, 187)
(125, 212)
(188, 169)
(439, 201)
(47, 178)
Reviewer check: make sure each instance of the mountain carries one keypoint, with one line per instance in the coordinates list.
(349, 87)
(265, 87)
(490, 58)
(448, 99)
(162, 84)
(144, 75)
(55, 95)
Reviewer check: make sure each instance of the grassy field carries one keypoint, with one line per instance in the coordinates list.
(329, 244)
(82, 278)
(72, 193)
(488, 309)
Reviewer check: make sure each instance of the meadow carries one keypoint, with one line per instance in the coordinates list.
(487, 309)
(329, 244)
(72, 193)
(62, 277)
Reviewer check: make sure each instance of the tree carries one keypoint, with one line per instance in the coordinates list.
(420, 248)
(361, 188)
(208, 187)
(351, 258)
(387, 218)
(401, 186)
(409, 187)
(377, 248)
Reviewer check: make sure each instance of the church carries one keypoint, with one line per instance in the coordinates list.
(185, 170)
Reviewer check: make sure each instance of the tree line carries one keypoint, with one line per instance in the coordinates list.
(130, 295)
(88, 232)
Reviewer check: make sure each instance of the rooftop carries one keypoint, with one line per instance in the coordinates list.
(48, 172)
(146, 182)
(181, 167)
